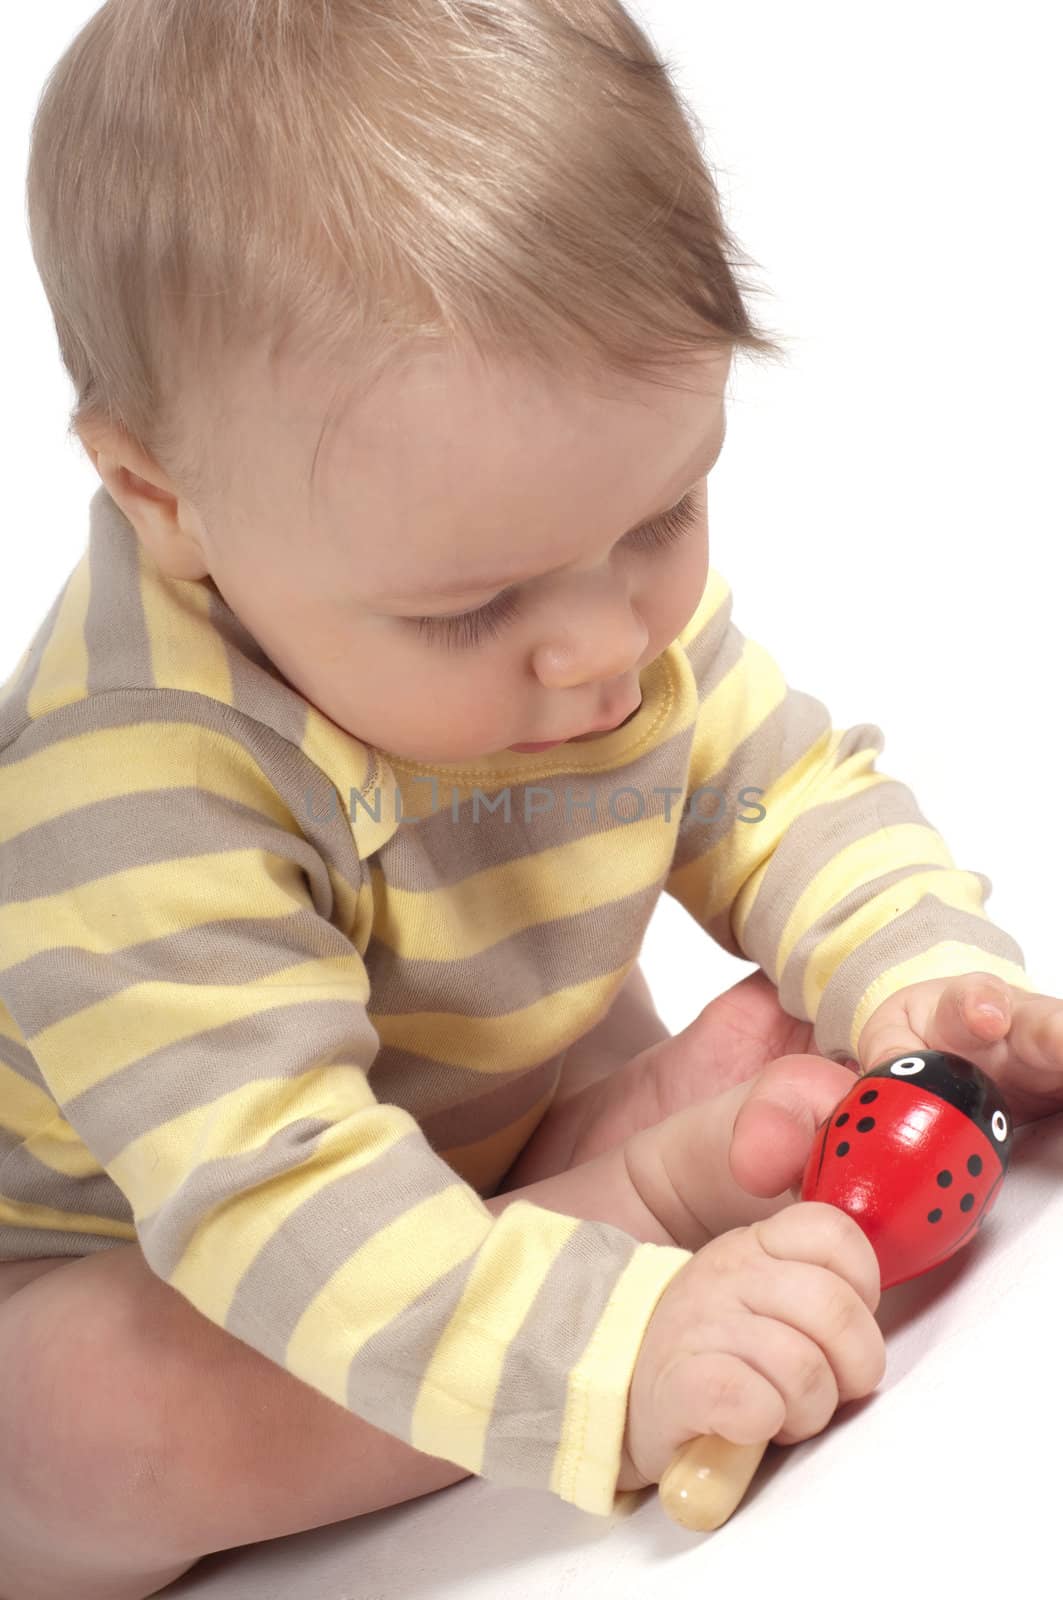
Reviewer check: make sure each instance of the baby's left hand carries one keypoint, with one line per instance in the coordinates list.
(1020, 1046)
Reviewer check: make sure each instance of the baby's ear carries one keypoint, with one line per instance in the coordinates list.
(167, 527)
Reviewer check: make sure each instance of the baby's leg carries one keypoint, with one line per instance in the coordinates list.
(138, 1436)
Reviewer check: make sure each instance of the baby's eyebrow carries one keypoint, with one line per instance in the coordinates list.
(473, 584)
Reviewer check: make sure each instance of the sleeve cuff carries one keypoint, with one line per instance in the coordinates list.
(588, 1460)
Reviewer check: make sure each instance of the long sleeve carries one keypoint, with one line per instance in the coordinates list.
(184, 966)
(798, 855)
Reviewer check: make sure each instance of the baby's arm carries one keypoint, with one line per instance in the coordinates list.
(673, 1181)
(820, 869)
(201, 1023)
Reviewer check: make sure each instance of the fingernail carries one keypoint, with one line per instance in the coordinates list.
(991, 1011)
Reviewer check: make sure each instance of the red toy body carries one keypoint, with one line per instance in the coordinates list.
(915, 1153)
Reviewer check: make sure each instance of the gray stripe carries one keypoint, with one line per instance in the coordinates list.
(141, 829)
(166, 1234)
(118, 639)
(759, 761)
(811, 841)
(714, 653)
(14, 699)
(9, 1142)
(504, 1098)
(157, 826)
(518, 970)
(116, 629)
(434, 850)
(57, 983)
(791, 986)
(300, 783)
(489, 1110)
(385, 1375)
(25, 1180)
(258, 687)
(25, 1244)
(714, 641)
(521, 1443)
(314, 1241)
(928, 922)
(282, 1041)
(20, 1060)
(784, 736)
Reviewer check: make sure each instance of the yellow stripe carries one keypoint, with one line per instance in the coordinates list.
(23, 1107)
(860, 863)
(742, 700)
(454, 1405)
(379, 1279)
(32, 1115)
(467, 917)
(177, 619)
(62, 673)
(151, 1168)
(519, 1037)
(482, 1162)
(118, 763)
(20, 1214)
(725, 874)
(157, 900)
(348, 762)
(959, 889)
(60, 1147)
(100, 1040)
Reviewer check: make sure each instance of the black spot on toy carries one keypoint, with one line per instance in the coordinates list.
(934, 1118)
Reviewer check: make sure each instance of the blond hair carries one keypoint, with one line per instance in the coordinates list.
(359, 180)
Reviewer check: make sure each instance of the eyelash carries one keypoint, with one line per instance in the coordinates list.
(468, 628)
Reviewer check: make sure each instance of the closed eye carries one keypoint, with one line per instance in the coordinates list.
(465, 629)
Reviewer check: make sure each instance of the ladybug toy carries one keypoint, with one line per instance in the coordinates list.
(915, 1152)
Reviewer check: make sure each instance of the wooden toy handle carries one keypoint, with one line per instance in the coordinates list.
(706, 1479)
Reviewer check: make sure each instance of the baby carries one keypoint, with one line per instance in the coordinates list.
(340, 782)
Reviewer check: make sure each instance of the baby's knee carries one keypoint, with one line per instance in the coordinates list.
(83, 1447)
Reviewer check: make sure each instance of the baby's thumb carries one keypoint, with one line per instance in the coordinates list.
(776, 1124)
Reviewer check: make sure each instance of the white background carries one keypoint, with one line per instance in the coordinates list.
(887, 509)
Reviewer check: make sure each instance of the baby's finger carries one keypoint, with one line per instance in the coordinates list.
(777, 1121)
(791, 1362)
(1036, 1035)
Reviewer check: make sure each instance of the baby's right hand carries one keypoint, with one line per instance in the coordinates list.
(761, 1335)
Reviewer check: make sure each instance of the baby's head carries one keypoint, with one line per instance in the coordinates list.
(383, 311)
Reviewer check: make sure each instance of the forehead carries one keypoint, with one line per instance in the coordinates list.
(447, 462)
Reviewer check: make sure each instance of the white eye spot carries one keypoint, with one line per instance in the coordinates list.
(907, 1065)
(999, 1125)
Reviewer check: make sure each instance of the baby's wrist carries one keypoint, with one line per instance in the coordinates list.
(599, 1190)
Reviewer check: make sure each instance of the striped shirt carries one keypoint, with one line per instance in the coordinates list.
(283, 1007)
